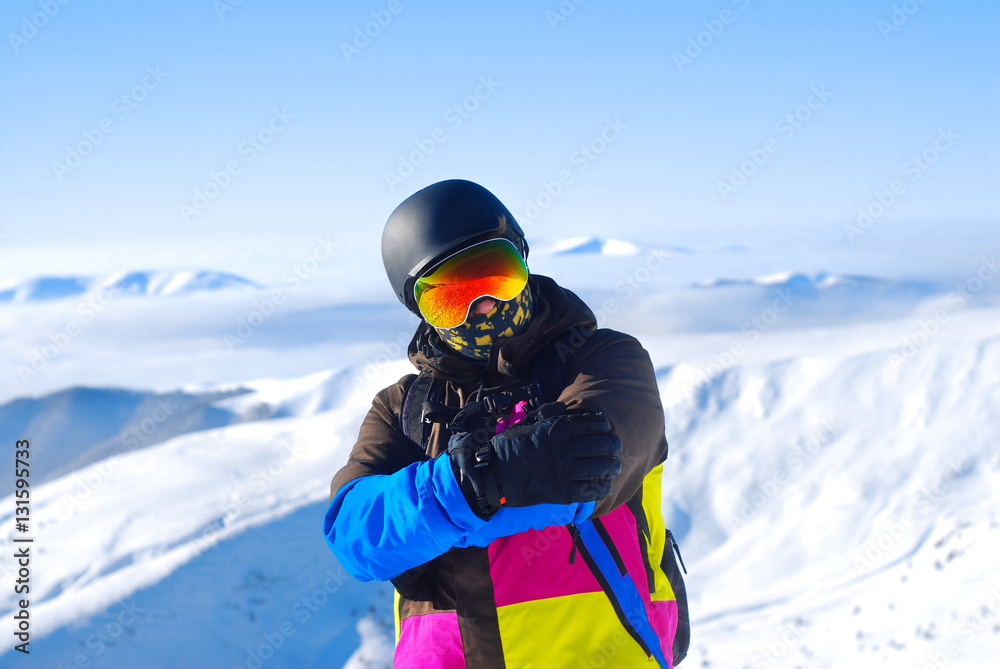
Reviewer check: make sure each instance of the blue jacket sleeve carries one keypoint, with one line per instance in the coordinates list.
(379, 526)
(512, 520)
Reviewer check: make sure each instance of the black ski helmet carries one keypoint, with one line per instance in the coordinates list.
(437, 221)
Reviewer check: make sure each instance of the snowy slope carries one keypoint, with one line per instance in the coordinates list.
(76, 427)
(782, 468)
(79, 426)
(849, 502)
(271, 589)
(833, 479)
(183, 496)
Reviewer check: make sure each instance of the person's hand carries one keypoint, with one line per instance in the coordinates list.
(548, 458)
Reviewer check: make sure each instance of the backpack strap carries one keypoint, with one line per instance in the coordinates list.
(411, 414)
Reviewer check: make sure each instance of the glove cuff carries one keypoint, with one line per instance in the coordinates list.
(492, 493)
(474, 482)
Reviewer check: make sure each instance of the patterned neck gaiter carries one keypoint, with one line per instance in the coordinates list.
(474, 338)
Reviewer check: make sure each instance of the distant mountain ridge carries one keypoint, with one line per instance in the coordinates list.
(806, 285)
(145, 282)
(73, 428)
(611, 247)
(78, 426)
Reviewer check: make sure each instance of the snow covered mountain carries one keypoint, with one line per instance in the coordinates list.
(833, 475)
(811, 285)
(44, 288)
(79, 426)
(163, 282)
(823, 487)
(111, 530)
(76, 427)
(592, 244)
(843, 505)
(179, 282)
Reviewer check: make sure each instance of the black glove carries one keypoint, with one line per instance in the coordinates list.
(545, 459)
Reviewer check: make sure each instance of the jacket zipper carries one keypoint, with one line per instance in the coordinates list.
(676, 549)
(605, 586)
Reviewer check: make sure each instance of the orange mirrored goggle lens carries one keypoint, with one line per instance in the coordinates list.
(493, 268)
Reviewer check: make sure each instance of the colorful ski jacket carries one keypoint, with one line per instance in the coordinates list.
(580, 585)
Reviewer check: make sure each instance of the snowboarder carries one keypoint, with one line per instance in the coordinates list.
(511, 489)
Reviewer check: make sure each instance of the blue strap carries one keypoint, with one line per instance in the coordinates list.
(623, 587)
(509, 521)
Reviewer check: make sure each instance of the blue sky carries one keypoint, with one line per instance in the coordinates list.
(532, 86)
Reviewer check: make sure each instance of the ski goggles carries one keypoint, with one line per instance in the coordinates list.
(493, 268)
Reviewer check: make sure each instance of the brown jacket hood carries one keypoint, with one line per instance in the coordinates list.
(555, 310)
